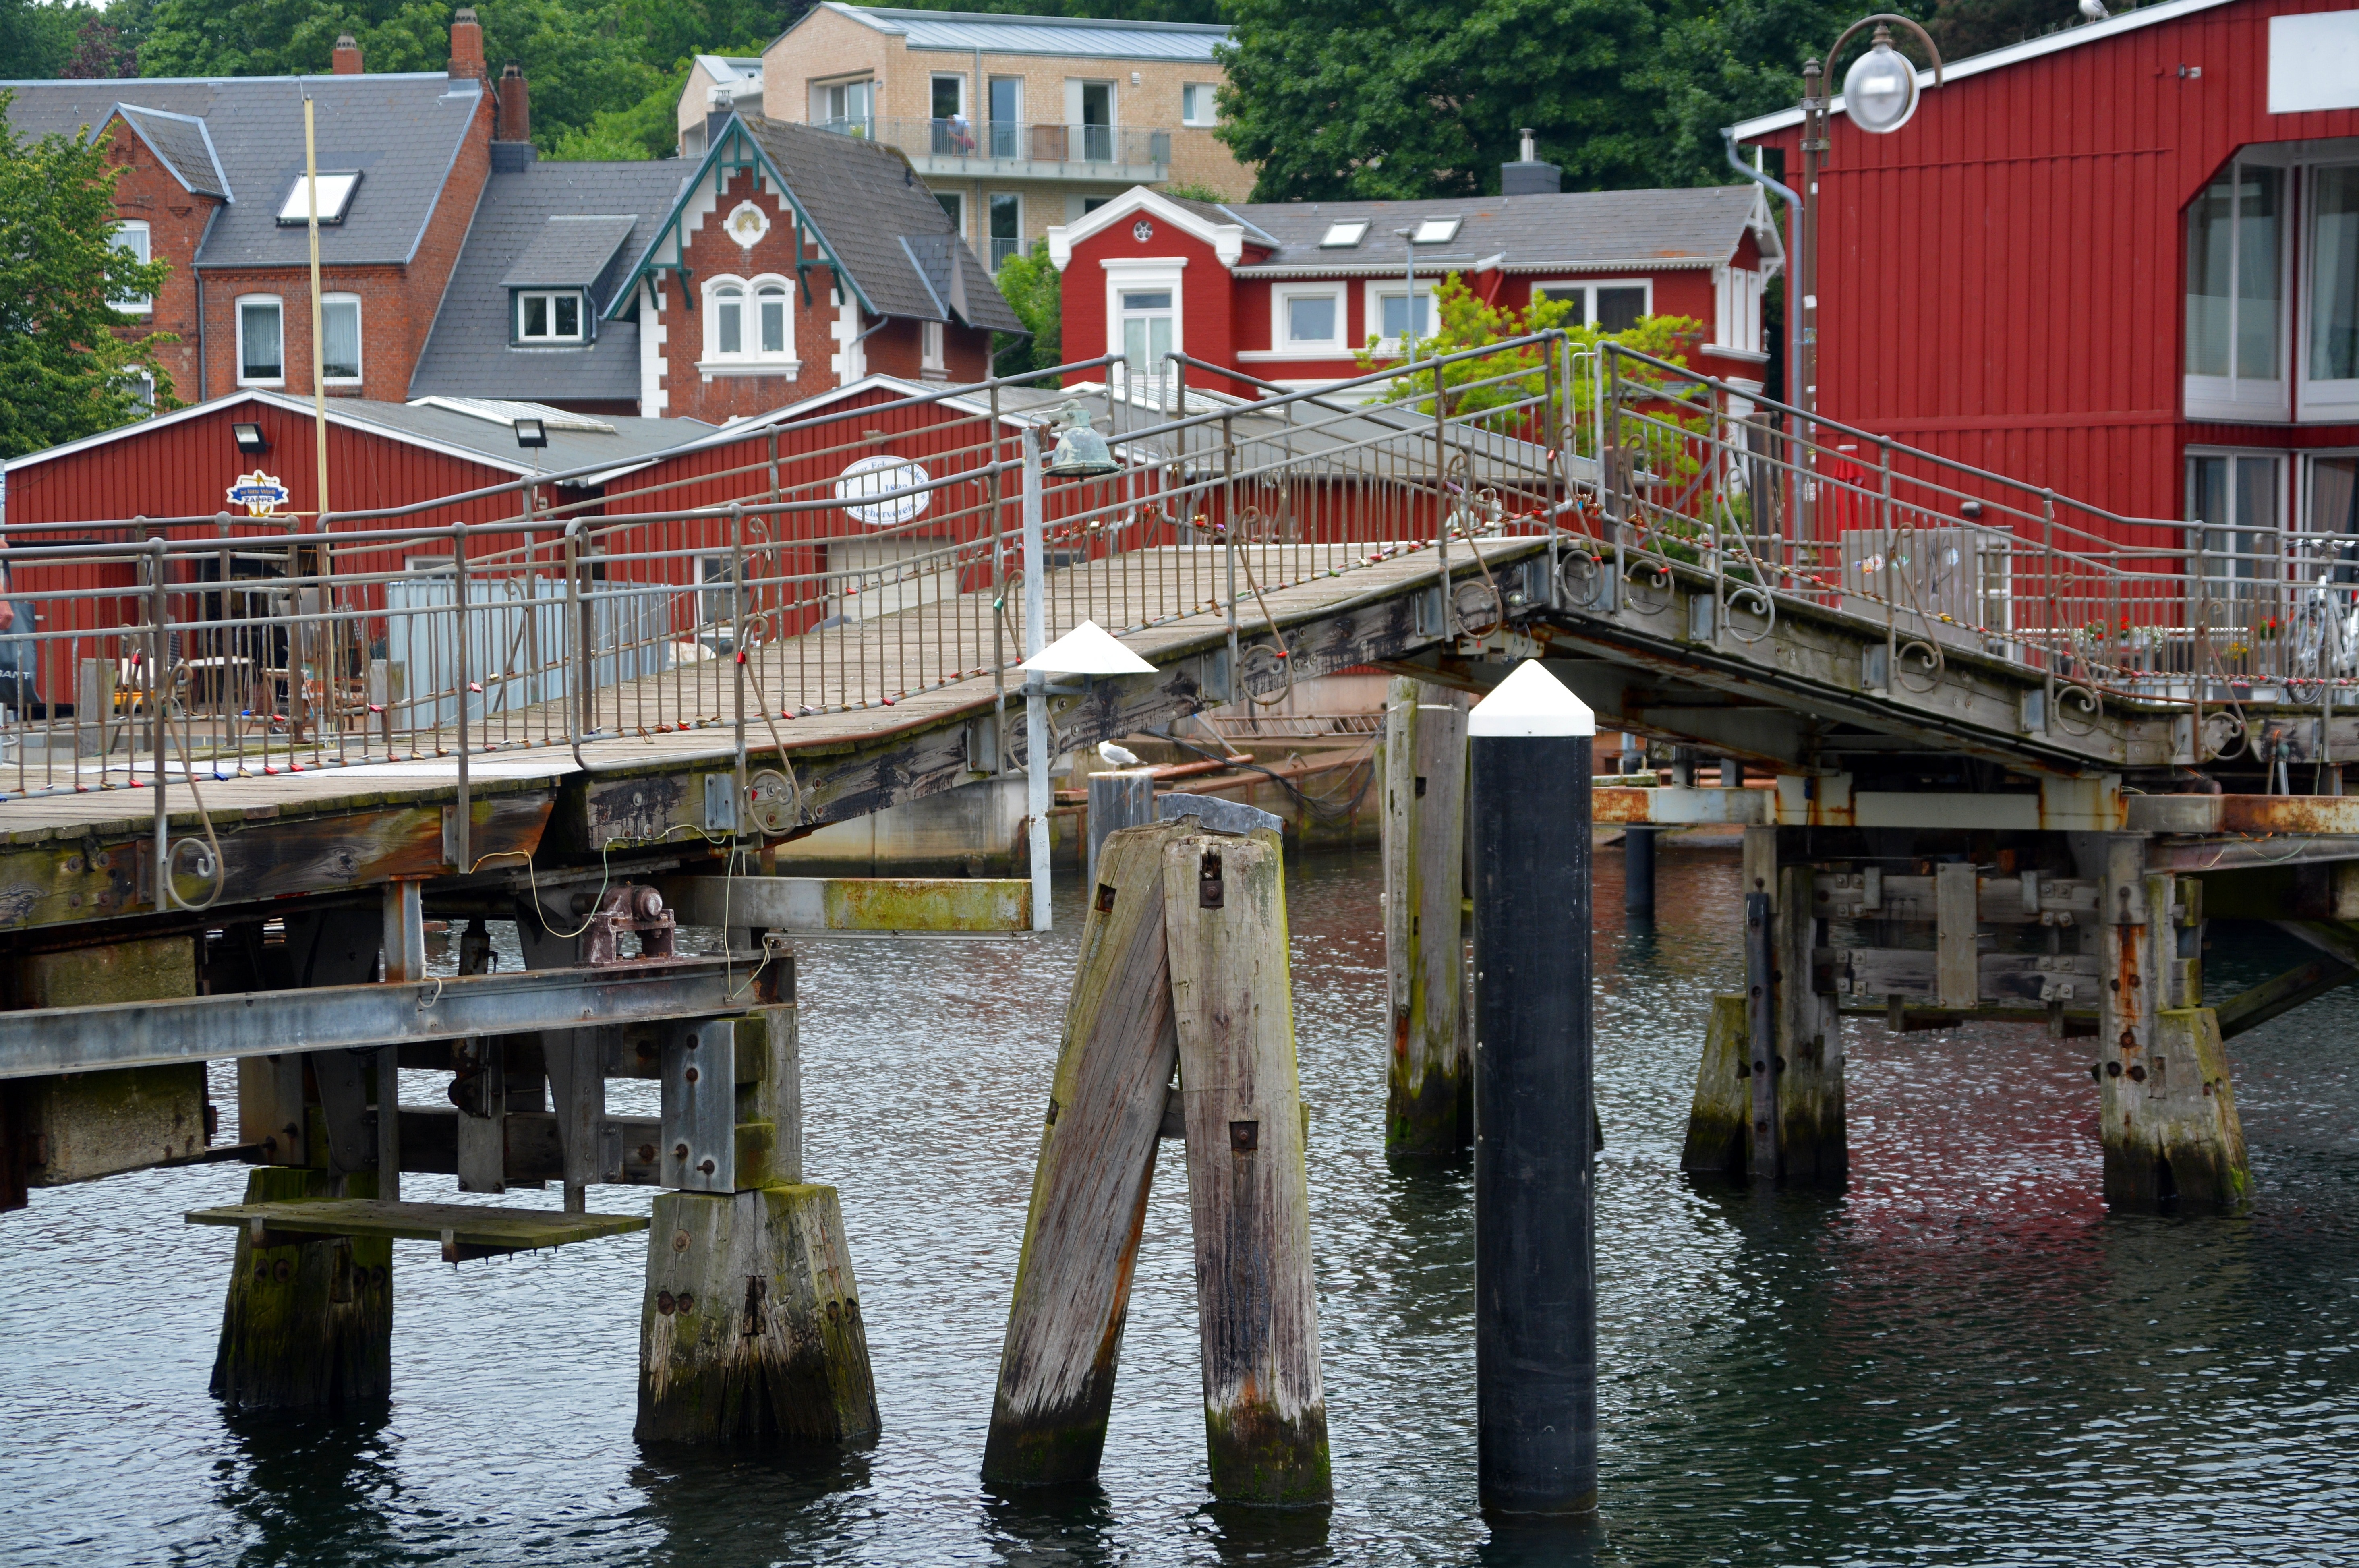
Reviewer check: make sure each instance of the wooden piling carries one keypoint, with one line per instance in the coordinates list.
(1719, 1119)
(1248, 1186)
(1089, 1190)
(1117, 800)
(1813, 1147)
(307, 1326)
(1424, 772)
(1768, 1100)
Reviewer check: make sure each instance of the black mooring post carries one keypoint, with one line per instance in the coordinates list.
(1535, 1272)
(1638, 870)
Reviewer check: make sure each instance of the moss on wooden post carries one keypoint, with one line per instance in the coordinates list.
(1248, 1189)
(2168, 1122)
(306, 1326)
(1812, 1143)
(750, 1332)
(1720, 1117)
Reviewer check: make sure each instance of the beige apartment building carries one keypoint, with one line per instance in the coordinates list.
(1017, 124)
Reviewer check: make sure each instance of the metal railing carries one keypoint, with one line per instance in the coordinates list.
(739, 585)
(1081, 149)
(1778, 506)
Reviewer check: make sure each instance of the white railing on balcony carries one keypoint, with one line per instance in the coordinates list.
(1045, 151)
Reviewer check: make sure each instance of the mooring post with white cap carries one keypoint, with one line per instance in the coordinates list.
(1087, 650)
(1535, 1272)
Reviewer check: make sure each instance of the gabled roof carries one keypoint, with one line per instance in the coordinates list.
(859, 200)
(468, 351)
(183, 144)
(2030, 49)
(477, 437)
(571, 251)
(965, 32)
(729, 69)
(1572, 231)
(403, 132)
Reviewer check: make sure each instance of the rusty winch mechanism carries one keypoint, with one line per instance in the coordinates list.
(632, 907)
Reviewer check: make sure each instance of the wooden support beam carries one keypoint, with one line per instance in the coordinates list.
(1813, 1145)
(1957, 933)
(1248, 1192)
(1089, 1190)
(1721, 1115)
(308, 1322)
(2283, 992)
(1117, 800)
(1423, 777)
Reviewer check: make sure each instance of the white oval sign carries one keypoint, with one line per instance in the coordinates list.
(881, 477)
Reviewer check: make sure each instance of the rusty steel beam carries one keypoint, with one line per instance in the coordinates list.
(819, 904)
(41, 1041)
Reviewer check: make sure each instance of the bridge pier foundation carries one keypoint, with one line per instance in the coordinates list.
(1428, 1109)
(1768, 1100)
(308, 1325)
(2167, 1110)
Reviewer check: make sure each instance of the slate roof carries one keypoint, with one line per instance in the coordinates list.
(1574, 231)
(467, 353)
(866, 201)
(183, 145)
(967, 31)
(571, 250)
(402, 131)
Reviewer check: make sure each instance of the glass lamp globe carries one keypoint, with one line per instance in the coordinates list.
(1880, 89)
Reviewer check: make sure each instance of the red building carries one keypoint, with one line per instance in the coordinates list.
(1293, 292)
(2121, 261)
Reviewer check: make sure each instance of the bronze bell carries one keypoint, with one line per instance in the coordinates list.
(1081, 453)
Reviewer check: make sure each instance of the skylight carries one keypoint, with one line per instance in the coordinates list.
(335, 195)
(1436, 231)
(1341, 236)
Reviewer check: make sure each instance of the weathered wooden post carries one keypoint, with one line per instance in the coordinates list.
(2166, 1111)
(1120, 800)
(1089, 1189)
(1424, 783)
(1248, 1186)
(750, 1330)
(1535, 1278)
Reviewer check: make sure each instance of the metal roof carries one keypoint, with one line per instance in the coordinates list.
(2030, 49)
(725, 69)
(402, 131)
(468, 352)
(1597, 231)
(967, 31)
(571, 251)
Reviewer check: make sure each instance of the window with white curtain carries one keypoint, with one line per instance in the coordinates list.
(261, 341)
(2330, 343)
(339, 338)
(2235, 294)
(748, 321)
(132, 236)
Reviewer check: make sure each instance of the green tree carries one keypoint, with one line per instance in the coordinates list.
(1035, 290)
(64, 371)
(37, 41)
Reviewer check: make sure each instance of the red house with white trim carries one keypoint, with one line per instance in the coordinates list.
(2121, 260)
(1291, 292)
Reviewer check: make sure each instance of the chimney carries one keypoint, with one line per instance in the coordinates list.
(347, 56)
(1528, 176)
(719, 104)
(514, 123)
(466, 44)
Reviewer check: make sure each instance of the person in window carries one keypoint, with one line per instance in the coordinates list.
(19, 655)
(962, 135)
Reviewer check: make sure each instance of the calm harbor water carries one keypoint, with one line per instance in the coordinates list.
(1961, 1360)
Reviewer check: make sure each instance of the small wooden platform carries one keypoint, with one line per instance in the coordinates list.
(465, 1230)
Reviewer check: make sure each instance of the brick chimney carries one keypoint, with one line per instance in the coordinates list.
(347, 56)
(466, 44)
(514, 124)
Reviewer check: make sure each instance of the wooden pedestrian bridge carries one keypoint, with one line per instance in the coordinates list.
(1997, 755)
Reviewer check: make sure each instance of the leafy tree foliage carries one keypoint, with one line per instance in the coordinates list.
(65, 371)
(1035, 290)
(37, 40)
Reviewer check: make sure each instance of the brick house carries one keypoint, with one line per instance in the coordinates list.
(1291, 292)
(794, 261)
(212, 182)
(1014, 123)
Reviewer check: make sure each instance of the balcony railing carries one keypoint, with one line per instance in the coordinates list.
(1010, 149)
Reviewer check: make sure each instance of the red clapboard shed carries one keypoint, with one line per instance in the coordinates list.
(2121, 260)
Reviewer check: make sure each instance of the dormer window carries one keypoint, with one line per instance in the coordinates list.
(549, 315)
(1343, 237)
(335, 197)
(1436, 231)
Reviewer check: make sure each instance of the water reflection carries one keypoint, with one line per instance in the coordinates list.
(291, 1486)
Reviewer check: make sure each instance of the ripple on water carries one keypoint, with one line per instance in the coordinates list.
(1961, 1359)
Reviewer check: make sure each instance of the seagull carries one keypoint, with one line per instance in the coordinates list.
(1118, 756)
(2094, 10)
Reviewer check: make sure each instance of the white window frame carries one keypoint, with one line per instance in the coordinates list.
(1284, 346)
(1204, 92)
(2306, 493)
(990, 240)
(932, 347)
(360, 336)
(2284, 528)
(751, 358)
(1372, 310)
(129, 229)
(551, 340)
(1126, 274)
(2333, 402)
(2233, 396)
(1736, 312)
(1558, 287)
(844, 84)
(237, 308)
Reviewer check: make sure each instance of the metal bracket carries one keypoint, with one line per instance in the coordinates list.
(1218, 814)
(700, 1108)
(720, 802)
(628, 908)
